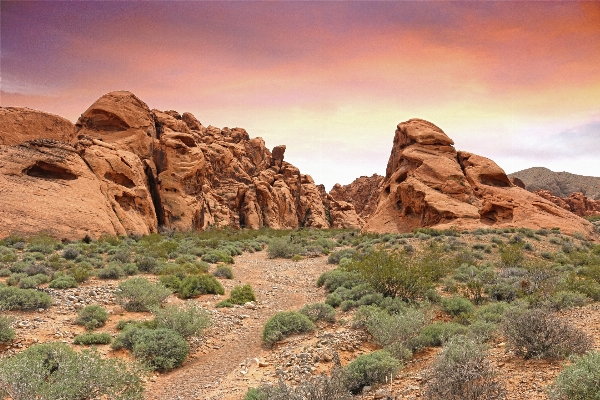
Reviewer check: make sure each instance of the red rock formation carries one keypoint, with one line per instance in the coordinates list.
(362, 193)
(577, 203)
(46, 185)
(139, 169)
(21, 124)
(428, 183)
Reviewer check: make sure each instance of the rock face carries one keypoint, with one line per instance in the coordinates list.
(21, 124)
(131, 170)
(577, 203)
(362, 193)
(429, 184)
(560, 184)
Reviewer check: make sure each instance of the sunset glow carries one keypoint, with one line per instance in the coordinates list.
(517, 82)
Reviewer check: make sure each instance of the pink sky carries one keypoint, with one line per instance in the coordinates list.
(516, 82)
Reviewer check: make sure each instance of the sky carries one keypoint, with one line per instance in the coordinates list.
(517, 82)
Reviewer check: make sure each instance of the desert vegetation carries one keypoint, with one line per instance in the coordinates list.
(459, 292)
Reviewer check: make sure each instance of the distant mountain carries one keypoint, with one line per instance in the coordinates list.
(561, 184)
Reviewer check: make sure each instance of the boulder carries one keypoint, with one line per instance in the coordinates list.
(20, 124)
(47, 186)
(429, 184)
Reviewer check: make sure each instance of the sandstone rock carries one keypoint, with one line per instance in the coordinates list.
(429, 184)
(191, 121)
(577, 203)
(362, 193)
(46, 186)
(120, 119)
(21, 124)
(517, 182)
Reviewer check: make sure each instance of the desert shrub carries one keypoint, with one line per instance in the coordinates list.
(216, 256)
(12, 298)
(388, 329)
(588, 287)
(438, 333)
(123, 256)
(53, 371)
(223, 271)
(92, 338)
(189, 321)
(224, 304)
(113, 270)
(63, 282)
(566, 299)
(284, 324)
(138, 294)
(92, 317)
(578, 381)
(319, 312)
(70, 253)
(511, 255)
(146, 263)
(242, 294)
(334, 258)
(396, 274)
(6, 332)
(283, 248)
(170, 282)
(126, 339)
(331, 280)
(462, 372)
(160, 349)
(42, 243)
(370, 368)
(4, 272)
(493, 312)
(195, 285)
(29, 282)
(173, 269)
(81, 272)
(130, 269)
(536, 333)
(457, 306)
(320, 387)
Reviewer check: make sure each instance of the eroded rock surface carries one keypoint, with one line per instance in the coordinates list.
(19, 124)
(139, 170)
(429, 184)
(362, 193)
(577, 203)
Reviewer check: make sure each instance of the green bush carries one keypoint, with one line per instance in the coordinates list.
(170, 282)
(189, 321)
(195, 285)
(92, 317)
(112, 271)
(160, 349)
(578, 381)
(283, 248)
(92, 338)
(12, 298)
(566, 299)
(53, 371)
(138, 294)
(334, 258)
(223, 271)
(6, 332)
(402, 327)
(462, 372)
(284, 324)
(146, 263)
(331, 280)
(64, 282)
(371, 368)
(536, 333)
(438, 333)
(42, 243)
(216, 256)
(457, 306)
(320, 387)
(396, 274)
(511, 255)
(241, 294)
(319, 312)
(81, 272)
(493, 312)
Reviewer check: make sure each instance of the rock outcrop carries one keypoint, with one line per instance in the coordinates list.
(362, 193)
(430, 184)
(560, 184)
(577, 203)
(126, 169)
(19, 124)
